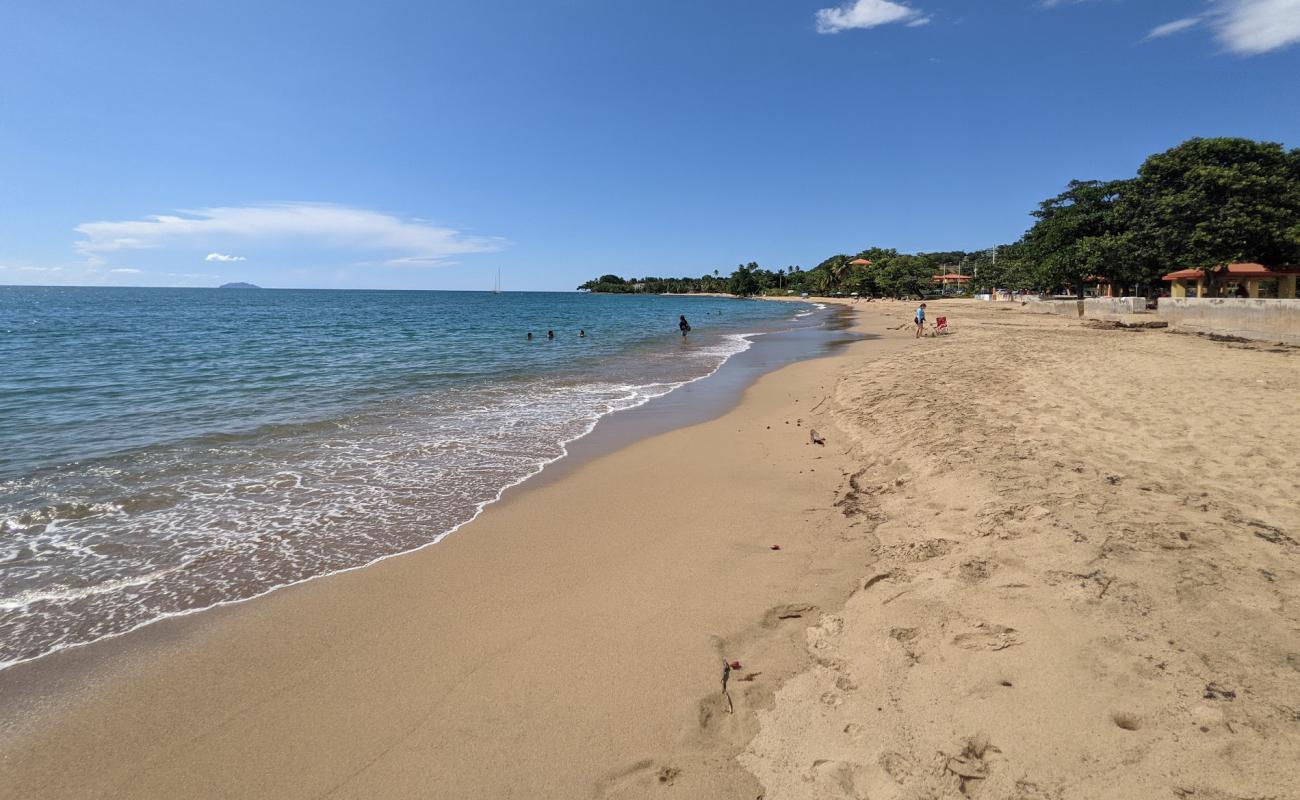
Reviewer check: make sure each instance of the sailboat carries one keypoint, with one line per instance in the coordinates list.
(497, 289)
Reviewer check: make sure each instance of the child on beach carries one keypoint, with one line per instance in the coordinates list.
(920, 320)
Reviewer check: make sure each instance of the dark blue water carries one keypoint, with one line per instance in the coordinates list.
(165, 450)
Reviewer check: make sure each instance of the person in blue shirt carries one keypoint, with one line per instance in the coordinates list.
(920, 320)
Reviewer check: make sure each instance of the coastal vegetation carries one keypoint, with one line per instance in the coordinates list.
(1204, 203)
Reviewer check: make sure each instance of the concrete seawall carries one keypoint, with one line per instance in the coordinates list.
(1113, 308)
(1248, 318)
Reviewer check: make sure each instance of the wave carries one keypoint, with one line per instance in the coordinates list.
(175, 530)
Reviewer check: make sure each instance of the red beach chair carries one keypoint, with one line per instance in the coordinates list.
(940, 325)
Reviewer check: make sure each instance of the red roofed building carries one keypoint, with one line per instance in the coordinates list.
(1249, 275)
(859, 262)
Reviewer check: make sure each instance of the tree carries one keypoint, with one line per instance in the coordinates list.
(1076, 234)
(744, 282)
(904, 275)
(1210, 202)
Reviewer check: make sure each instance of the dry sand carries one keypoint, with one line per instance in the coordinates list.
(1086, 583)
(1068, 555)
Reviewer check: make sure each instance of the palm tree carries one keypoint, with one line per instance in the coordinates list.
(837, 271)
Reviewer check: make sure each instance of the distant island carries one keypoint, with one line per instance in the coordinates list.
(239, 285)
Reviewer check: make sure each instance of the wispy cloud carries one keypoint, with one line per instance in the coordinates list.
(1177, 26)
(125, 270)
(867, 14)
(1251, 27)
(31, 269)
(394, 239)
(1245, 27)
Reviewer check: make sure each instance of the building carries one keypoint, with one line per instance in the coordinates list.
(1257, 280)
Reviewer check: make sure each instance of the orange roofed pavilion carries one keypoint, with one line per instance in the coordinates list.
(952, 280)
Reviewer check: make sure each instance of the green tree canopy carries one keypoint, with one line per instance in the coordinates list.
(1209, 202)
(1077, 233)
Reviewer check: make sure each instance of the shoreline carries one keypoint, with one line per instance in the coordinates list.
(60, 694)
(582, 442)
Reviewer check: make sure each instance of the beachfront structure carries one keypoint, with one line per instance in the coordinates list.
(1257, 279)
(952, 279)
(1101, 287)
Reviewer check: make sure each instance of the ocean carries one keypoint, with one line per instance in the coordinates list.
(163, 451)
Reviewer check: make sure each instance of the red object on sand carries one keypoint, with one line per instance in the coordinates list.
(776, 547)
(735, 665)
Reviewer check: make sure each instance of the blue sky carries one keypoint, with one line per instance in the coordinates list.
(429, 144)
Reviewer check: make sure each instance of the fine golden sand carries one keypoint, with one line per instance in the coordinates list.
(1031, 560)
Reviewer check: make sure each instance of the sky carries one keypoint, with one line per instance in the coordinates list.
(429, 145)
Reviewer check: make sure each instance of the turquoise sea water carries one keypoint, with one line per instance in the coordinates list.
(166, 450)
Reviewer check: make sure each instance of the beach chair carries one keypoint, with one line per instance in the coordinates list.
(940, 326)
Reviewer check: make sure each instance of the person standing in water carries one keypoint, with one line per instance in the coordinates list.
(683, 325)
(920, 320)
(550, 335)
(582, 333)
(530, 336)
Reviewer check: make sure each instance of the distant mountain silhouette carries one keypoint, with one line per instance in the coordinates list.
(238, 285)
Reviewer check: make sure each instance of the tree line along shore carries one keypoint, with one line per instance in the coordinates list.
(1201, 205)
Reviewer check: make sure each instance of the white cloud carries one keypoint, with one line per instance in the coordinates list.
(1251, 27)
(223, 257)
(127, 270)
(867, 14)
(1170, 28)
(1245, 27)
(322, 225)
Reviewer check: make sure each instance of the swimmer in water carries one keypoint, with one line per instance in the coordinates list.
(683, 325)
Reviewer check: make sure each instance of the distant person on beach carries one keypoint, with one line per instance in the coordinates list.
(550, 334)
(920, 320)
(530, 336)
(683, 325)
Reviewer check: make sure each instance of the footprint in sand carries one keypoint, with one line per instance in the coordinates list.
(788, 611)
(987, 636)
(976, 570)
(834, 780)
(634, 780)
(923, 550)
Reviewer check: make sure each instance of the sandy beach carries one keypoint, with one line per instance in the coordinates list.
(1032, 559)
